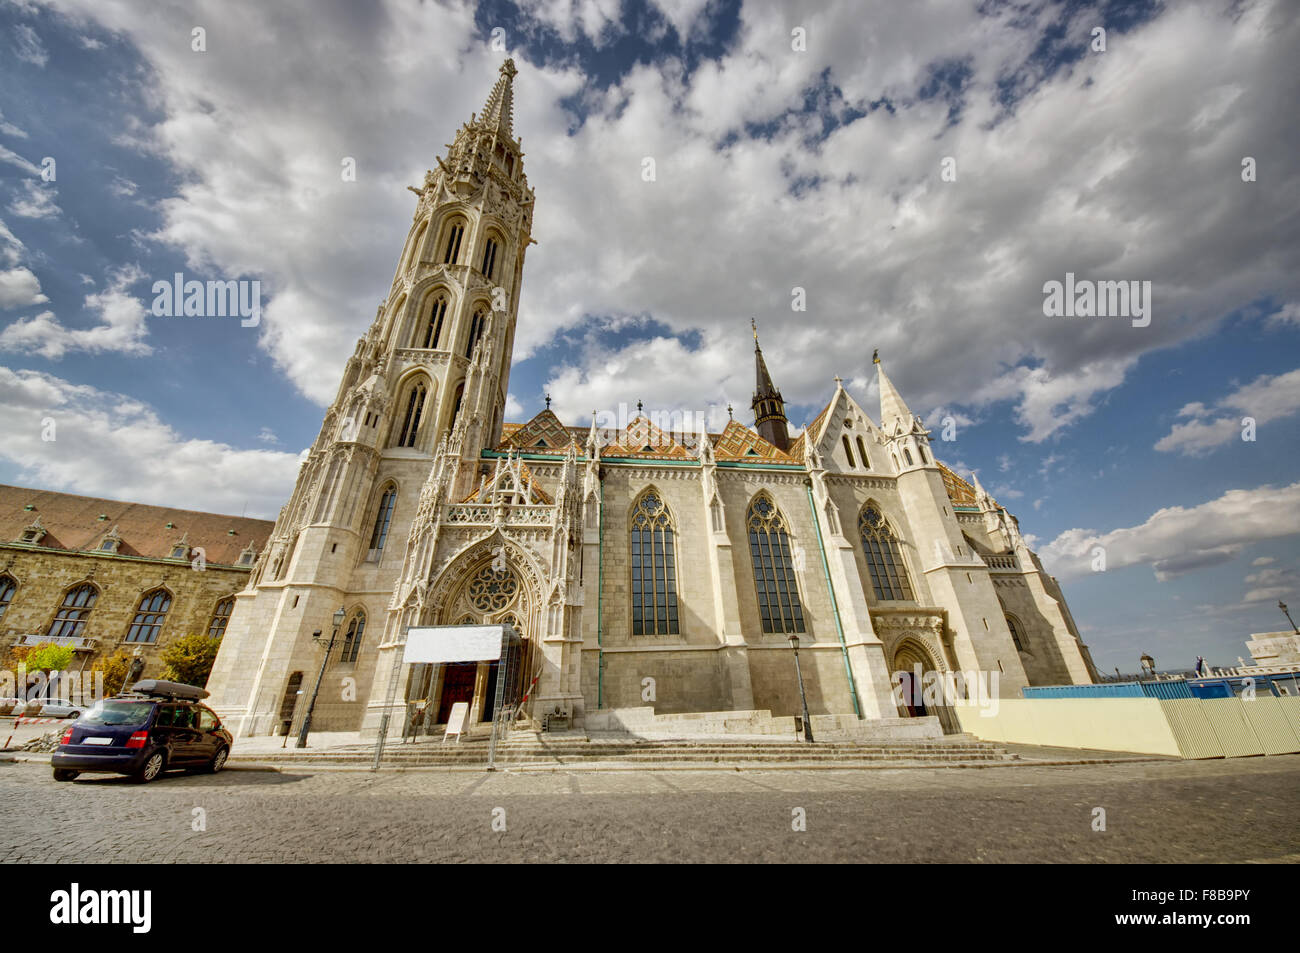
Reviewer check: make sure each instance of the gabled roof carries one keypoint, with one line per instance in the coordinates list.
(960, 492)
(738, 442)
(643, 439)
(814, 429)
(541, 434)
(73, 523)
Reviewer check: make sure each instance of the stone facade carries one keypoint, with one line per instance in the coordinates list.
(53, 543)
(418, 506)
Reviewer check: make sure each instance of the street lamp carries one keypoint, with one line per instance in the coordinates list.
(1282, 605)
(339, 616)
(807, 722)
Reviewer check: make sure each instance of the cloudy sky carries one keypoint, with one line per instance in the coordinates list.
(919, 169)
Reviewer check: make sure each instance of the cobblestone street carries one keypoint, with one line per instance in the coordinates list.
(1208, 811)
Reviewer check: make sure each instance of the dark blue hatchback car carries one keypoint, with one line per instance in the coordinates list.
(155, 726)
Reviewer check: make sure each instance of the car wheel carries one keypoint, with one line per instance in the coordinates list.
(218, 760)
(65, 774)
(152, 767)
(75, 714)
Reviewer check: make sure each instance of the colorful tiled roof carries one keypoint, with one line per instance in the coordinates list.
(738, 442)
(79, 523)
(959, 491)
(541, 434)
(796, 451)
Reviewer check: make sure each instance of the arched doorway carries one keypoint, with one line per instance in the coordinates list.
(911, 662)
(483, 587)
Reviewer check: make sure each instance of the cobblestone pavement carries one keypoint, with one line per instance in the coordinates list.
(1208, 811)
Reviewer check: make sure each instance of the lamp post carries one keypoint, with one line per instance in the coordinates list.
(339, 616)
(807, 722)
(1282, 605)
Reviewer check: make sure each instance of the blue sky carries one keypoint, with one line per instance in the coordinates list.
(777, 168)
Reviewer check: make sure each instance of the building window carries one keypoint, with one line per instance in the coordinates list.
(149, 616)
(454, 235)
(220, 618)
(411, 420)
(848, 454)
(475, 331)
(862, 455)
(885, 563)
(382, 519)
(489, 258)
(654, 571)
(352, 638)
(8, 586)
(1017, 634)
(427, 337)
(769, 548)
(921, 450)
(71, 618)
(907, 455)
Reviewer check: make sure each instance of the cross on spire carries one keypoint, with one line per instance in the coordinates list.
(548, 401)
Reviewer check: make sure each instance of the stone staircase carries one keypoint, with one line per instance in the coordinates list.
(537, 751)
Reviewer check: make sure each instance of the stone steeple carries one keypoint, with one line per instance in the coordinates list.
(769, 407)
(499, 110)
(892, 407)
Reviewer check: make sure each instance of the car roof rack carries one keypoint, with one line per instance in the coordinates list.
(157, 686)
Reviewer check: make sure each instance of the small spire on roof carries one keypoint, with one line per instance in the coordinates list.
(548, 401)
(638, 408)
(730, 415)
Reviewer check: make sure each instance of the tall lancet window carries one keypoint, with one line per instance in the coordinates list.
(352, 639)
(654, 571)
(427, 334)
(884, 556)
(451, 253)
(383, 517)
(411, 416)
(769, 548)
(475, 331)
(490, 259)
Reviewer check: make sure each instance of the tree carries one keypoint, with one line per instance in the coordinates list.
(114, 668)
(48, 657)
(189, 659)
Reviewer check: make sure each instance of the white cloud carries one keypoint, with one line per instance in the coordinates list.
(1270, 584)
(9, 129)
(122, 328)
(1263, 561)
(1177, 539)
(1264, 399)
(1087, 174)
(35, 201)
(13, 158)
(19, 288)
(109, 445)
(514, 410)
(28, 46)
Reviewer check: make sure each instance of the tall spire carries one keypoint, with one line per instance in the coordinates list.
(891, 402)
(769, 407)
(499, 111)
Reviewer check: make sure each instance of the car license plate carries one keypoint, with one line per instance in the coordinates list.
(97, 741)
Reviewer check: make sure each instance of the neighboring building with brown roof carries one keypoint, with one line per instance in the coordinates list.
(103, 575)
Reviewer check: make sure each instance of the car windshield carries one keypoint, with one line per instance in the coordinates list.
(118, 713)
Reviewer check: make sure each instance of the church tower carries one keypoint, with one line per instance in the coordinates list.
(426, 384)
(769, 408)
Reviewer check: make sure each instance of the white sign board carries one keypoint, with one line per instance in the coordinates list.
(456, 720)
(453, 643)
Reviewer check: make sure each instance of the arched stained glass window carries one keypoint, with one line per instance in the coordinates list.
(71, 618)
(383, 517)
(884, 556)
(428, 334)
(220, 618)
(475, 331)
(411, 419)
(352, 638)
(774, 580)
(454, 235)
(149, 616)
(7, 588)
(1017, 633)
(654, 570)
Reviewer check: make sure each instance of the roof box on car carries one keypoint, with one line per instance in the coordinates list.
(156, 686)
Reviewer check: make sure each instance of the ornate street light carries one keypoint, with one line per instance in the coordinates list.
(807, 722)
(339, 616)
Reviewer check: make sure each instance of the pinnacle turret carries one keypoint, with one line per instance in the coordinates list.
(769, 407)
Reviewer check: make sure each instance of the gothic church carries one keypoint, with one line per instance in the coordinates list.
(620, 555)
